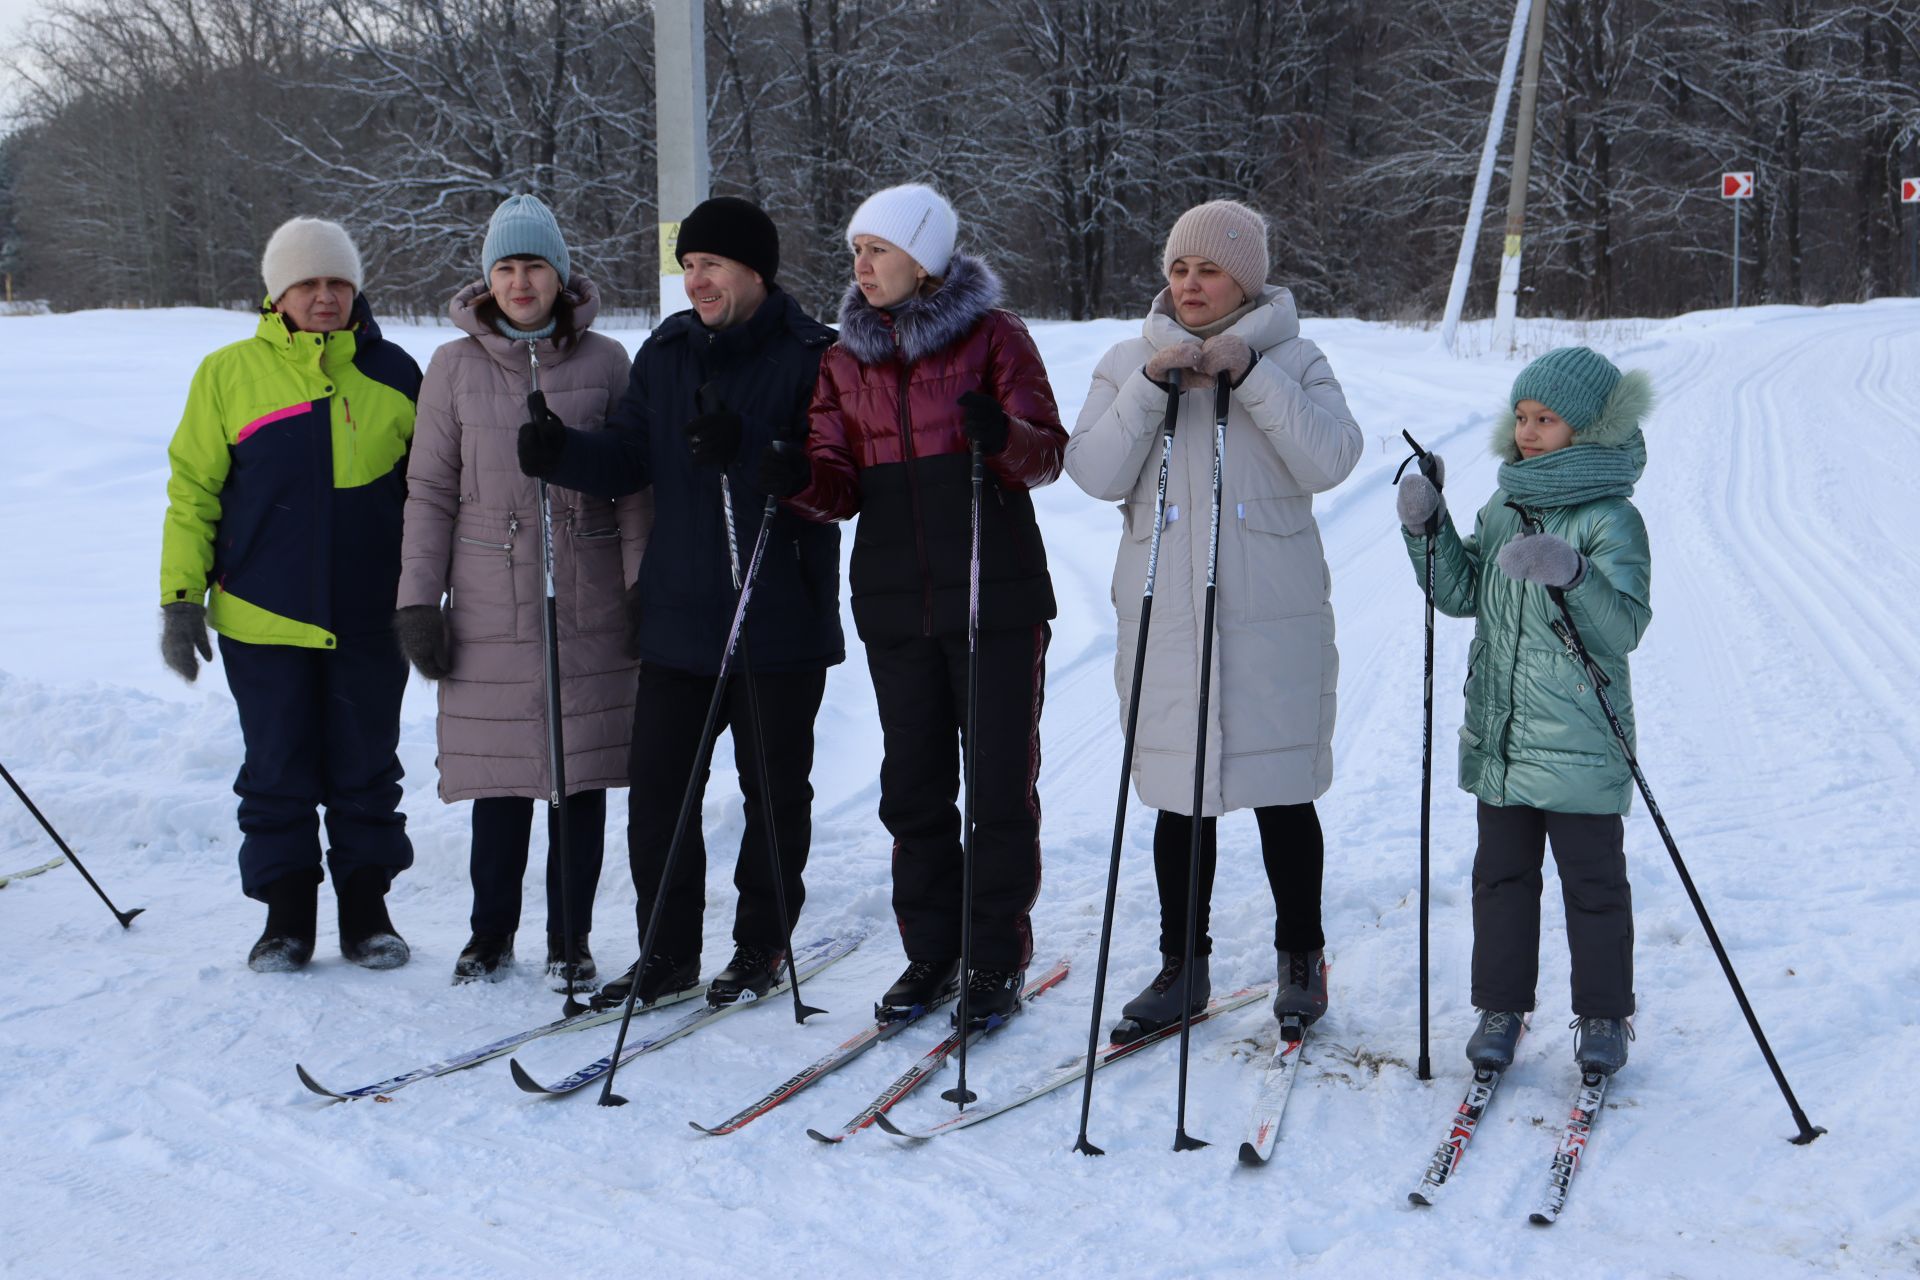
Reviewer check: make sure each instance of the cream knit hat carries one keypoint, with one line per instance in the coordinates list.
(913, 217)
(1227, 234)
(307, 249)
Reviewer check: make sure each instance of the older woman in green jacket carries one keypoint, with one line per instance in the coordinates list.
(1535, 747)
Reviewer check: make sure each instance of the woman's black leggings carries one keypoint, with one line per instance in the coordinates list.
(1294, 851)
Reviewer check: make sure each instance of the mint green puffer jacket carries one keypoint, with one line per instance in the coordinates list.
(1534, 733)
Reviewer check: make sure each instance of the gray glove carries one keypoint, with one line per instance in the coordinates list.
(1418, 498)
(426, 638)
(1543, 558)
(183, 629)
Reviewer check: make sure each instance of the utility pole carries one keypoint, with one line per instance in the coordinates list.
(680, 128)
(1507, 305)
(1477, 206)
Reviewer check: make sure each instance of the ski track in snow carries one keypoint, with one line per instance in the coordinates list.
(153, 1120)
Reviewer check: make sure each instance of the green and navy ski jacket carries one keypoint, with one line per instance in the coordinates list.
(288, 479)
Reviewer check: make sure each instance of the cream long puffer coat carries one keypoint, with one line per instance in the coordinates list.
(473, 535)
(1289, 435)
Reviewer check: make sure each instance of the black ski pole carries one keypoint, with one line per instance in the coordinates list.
(1222, 404)
(558, 845)
(1081, 1144)
(801, 1011)
(1569, 633)
(960, 1095)
(1429, 467)
(124, 917)
(608, 1098)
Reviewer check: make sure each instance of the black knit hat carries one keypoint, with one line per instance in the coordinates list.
(732, 228)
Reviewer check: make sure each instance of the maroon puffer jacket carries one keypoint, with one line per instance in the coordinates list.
(886, 441)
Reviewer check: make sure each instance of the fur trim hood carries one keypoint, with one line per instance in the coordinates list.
(923, 324)
(1617, 426)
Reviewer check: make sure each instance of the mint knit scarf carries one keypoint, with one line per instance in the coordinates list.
(1579, 473)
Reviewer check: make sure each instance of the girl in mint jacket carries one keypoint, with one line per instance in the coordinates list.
(1535, 747)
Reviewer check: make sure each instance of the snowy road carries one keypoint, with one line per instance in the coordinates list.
(153, 1123)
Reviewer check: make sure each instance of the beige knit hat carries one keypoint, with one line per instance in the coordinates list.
(308, 249)
(1227, 234)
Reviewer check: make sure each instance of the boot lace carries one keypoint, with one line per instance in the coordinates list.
(1299, 968)
(1584, 1027)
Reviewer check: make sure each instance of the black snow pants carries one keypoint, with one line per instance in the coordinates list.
(1590, 850)
(321, 728)
(920, 684)
(502, 830)
(668, 711)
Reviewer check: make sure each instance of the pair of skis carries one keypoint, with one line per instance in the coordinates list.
(811, 959)
(1445, 1162)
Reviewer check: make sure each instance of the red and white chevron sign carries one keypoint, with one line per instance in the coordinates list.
(1736, 186)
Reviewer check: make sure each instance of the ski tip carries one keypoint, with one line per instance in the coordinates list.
(710, 1131)
(525, 1081)
(1541, 1219)
(889, 1125)
(1250, 1155)
(316, 1086)
(829, 1139)
(1419, 1199)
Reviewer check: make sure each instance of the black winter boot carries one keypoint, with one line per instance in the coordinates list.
(585, 974)
(993, 996)
(287, 942)
(367, 935)
(1158, 1006)
(664, 979)
(924, 984)
(1303, 991)
(752, 969)
(486, 955)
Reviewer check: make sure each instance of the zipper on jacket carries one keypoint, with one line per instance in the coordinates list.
(913, 494)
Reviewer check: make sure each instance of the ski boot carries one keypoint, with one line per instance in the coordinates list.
(924, 984)
(664, 976)
(1157, 1007)
(1491, 1046)
(753, 970)
(585, 973)
(486, 955)
(367, 935)
(286, 943)
(1600, 1044)
(1302, 998)
(993, 996)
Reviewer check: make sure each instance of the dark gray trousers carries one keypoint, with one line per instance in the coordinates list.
(1589, 849)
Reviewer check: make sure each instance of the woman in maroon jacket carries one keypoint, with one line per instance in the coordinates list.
(927, 366)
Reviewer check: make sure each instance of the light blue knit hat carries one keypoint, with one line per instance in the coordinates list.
(1602, 404)
(523, 226)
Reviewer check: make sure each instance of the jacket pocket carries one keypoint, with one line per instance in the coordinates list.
(1281, 571)
(598, 588)
(482, 597)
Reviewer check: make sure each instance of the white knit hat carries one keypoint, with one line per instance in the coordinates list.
(308, 249)
(914, 218)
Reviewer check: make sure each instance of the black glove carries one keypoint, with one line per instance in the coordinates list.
(714, 438)
(784, 470)
(183, 629)
(426, 638)
(985, 421)
(631, 644)
(542, 440)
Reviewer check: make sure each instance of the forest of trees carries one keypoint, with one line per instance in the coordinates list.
(155, 143)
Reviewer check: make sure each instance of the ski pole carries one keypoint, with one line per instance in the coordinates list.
(1569, 633)
(558, 844)
(1430, 468)
(709, 402)
(1222, 404)
(608, 1098)
(1082, 1144)
(124, 917)
(960, 1095)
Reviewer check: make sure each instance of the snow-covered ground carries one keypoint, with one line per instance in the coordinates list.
(153, 1125)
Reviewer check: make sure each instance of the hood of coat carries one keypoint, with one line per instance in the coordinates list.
(924, 324)
(1272, 321)
(1617, 427)
(463, 310)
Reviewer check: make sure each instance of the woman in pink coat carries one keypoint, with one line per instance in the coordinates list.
(472, 587)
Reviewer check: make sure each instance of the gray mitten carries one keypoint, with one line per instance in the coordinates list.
(183, 629)
(426, 638)
(1543, 558)
(1418, 502)
(1184, 356)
